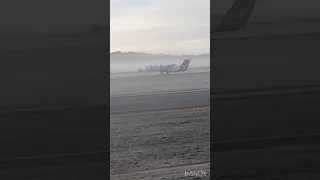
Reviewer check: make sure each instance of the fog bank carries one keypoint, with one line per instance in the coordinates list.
(128, 62)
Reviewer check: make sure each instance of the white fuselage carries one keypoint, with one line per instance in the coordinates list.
(173, 69)
(162, 68)
(167, 68)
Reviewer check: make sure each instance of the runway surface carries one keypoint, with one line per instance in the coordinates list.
(231, 119)
(156, 123)
(131, 74)
(145, 145)
(239, 118)
(146, 83)
(150, 103)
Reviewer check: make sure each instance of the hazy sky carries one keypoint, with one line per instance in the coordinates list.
(160, 26)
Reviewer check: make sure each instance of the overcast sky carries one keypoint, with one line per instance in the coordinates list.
(160, 26)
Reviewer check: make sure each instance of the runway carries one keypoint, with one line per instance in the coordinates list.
(131, 74)
(239, 118)
(142, 144)
(156, 121)
(152, 91)
(146, 83)
(231, 119)
(163, 101)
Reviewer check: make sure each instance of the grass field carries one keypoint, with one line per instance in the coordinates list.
(159, 145)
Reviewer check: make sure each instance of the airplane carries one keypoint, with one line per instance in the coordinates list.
(168, 68)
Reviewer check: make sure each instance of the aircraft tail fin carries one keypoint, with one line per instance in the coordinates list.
(184, 66)
(237, 16)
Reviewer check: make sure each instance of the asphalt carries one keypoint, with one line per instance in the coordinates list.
(43, 133)
(149, 103)
(238, 118)
(146, 83)
(232, 119)
(135, 73)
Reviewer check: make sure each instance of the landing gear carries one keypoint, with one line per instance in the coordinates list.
(167, 72)
(160, 72)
